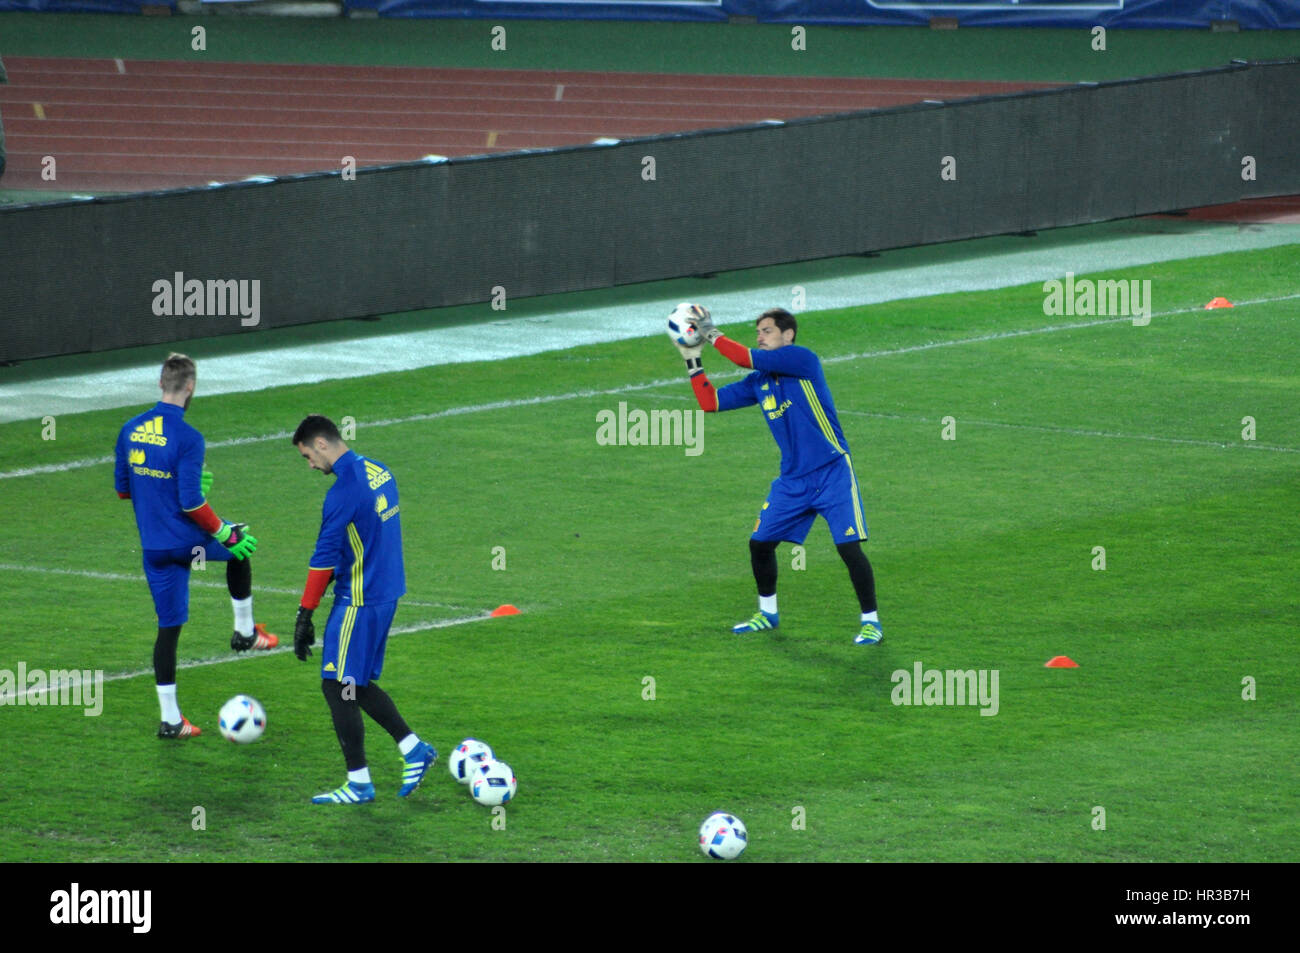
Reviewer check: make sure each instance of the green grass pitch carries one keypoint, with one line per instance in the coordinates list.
(630, 562)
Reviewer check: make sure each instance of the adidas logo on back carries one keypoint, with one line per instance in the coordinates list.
(150, 432)
(377, 474)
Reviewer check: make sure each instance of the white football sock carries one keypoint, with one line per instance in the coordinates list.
(407, 744)
(243, 615)
(360, 776)
(768, 603)
(171, 712)
(870, 617)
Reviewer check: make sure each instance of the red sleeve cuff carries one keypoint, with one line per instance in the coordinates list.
(208, 521)
(123, 496)
(317, 581)
(733, 351)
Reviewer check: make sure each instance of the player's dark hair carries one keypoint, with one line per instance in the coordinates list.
(314, 426)
(784, 320)
(177, 371)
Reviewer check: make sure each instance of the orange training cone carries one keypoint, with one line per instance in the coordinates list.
(1061, 661)
(505, 610)
(1218, 303)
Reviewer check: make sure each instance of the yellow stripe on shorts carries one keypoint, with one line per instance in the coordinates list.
(857, 499)
(345, 639)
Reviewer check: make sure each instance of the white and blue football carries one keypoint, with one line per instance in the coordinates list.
(466, 756)
(723, 836)
(682, 327)
(492, 783)
(242, 719)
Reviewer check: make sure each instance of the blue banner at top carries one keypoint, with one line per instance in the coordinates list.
(1154, 14)
(700, 10)
(82, 6)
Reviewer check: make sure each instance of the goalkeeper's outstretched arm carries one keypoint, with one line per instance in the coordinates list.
(733, 351)
(711, 400)
(704, 391)
(730, 397)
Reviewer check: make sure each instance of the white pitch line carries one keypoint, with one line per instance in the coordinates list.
(1069, 431)
(414, 418)
(126, 577)
(615, 391)
(9, 699)
(1050, 329)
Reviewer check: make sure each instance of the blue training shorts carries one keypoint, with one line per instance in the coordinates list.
(794, 502)
(355, 640)
(168, 574)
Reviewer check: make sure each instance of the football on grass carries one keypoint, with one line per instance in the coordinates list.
(468, 754)
(242, 719)
(682, 327)
(492, 783)
(723, 836)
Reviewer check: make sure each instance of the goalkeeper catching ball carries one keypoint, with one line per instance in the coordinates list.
(816, 477)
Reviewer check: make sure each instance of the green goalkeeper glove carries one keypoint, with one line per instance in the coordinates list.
(236, 538)
(205, 482)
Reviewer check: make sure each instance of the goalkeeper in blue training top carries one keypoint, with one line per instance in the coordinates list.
(816, 471)
(159, 468)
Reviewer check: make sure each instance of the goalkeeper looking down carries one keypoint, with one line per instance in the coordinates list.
(359, 548)
(816, 471)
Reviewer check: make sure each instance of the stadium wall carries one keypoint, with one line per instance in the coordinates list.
(117, 272)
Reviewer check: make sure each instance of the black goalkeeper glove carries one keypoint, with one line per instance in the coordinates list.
(304, 634)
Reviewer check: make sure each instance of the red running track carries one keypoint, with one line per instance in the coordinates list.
(131, 125)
